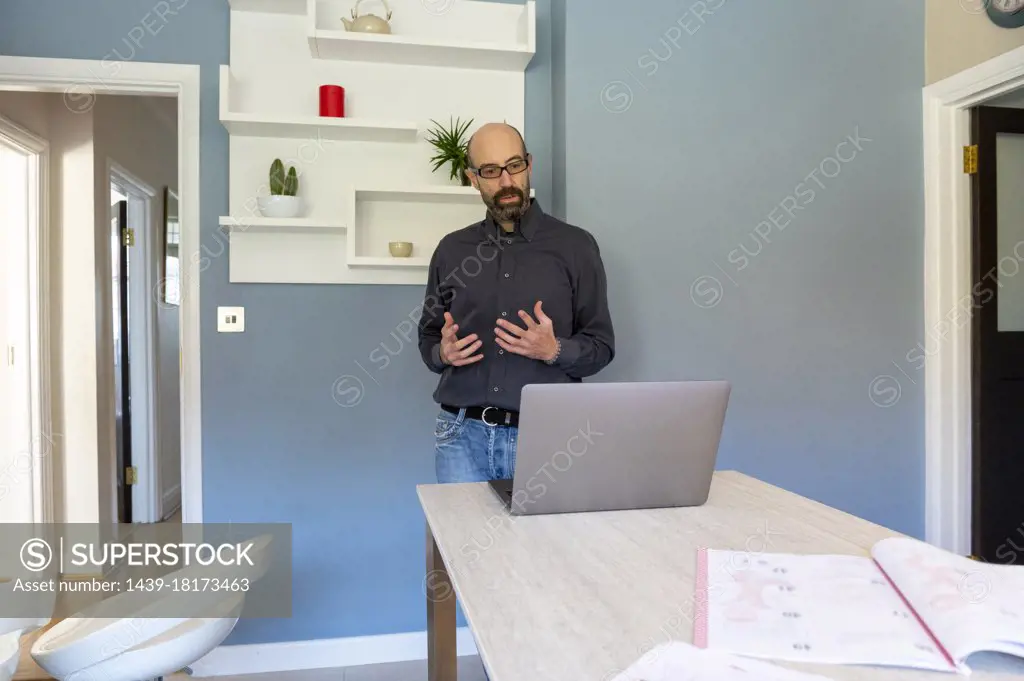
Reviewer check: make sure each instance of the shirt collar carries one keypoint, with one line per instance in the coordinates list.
(526, 225)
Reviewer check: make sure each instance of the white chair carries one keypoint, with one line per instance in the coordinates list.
(18, 600)
(11, 631)
(94, 645)
(153, 658)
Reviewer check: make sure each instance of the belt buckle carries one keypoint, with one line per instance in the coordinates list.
(483, 416)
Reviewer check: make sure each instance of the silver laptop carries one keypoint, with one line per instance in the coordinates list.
(615, 446)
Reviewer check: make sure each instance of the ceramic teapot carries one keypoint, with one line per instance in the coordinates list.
(368, 23)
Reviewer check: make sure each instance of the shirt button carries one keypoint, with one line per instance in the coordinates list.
(495, 388)
(508, 241)
(501, 352)
(506, 275)
(504, 314)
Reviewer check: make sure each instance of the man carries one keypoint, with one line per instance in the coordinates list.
(518, 298)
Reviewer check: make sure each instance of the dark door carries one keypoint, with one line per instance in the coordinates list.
(998, 335)
(120, 239)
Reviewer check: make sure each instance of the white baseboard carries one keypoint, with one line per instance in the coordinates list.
(256, 658)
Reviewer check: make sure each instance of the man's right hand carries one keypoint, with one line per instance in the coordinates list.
(454, 351)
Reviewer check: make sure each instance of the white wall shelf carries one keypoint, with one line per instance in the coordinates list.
(296, 7)
(366, 179)
(306, 127)
(392, 49)
(421, 214)
(300, 127)
(448, 38)
(366, 261)
(433, 193)
(262, 224)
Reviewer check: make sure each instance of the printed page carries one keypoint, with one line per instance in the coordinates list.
(679, 661)
(969, 605)
(829, 609)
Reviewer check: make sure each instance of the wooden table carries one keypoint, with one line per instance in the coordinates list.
(579, 597)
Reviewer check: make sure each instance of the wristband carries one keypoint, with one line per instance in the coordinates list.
(558, 351)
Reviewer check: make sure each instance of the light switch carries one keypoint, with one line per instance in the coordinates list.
(231, 319)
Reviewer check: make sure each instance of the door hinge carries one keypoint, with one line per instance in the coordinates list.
(128, 236)
(971, 159)
(131, 475)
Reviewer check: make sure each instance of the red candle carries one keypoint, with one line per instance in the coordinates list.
(332, 101)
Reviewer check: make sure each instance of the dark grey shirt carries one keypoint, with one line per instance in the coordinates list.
(481, 273)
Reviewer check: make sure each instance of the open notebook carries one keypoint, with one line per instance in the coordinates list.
(909, 604)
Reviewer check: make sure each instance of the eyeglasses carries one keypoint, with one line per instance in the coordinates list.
(493, 171)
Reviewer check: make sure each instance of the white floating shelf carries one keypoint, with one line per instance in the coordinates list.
(307, 127)
(374, 185)
(418, 49)
(262, 224)
(394, 208)
(296, 7)
(366, 261)
(442, 193)
(413, 51)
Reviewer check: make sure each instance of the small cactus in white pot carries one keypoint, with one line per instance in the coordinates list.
(282, 202)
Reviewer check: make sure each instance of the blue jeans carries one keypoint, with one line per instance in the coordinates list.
(469, 450)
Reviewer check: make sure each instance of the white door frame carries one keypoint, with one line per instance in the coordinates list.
(146, 500)
(41, 428)
(77, 79)
(950, 294)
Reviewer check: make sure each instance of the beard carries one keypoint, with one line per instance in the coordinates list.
(508, 211)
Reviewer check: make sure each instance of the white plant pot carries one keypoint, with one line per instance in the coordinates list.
(281, 206)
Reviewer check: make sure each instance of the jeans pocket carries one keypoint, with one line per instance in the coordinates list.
(448, 425)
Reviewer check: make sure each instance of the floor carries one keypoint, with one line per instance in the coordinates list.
(470, 669)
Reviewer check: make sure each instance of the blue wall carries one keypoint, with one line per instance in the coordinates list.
(745, 104)
(277, 447)
(684, 133)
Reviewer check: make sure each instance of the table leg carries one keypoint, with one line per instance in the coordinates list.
(441, 652)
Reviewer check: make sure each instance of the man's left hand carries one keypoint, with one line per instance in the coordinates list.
(536, 341)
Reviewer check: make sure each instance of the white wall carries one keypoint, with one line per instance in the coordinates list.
(31, 111)
(73, 306)
(957, 39)
(140, 135)
(15, 442)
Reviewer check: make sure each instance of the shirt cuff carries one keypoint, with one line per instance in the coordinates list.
(435, 357)
(569, 354)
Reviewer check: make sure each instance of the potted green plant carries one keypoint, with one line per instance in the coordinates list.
(451, 148)
(282, 202)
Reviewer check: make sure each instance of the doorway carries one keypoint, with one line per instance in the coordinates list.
(75, 245)
(953, 297)
(120, 295)
(143, 345)
(15, 416)
(997, 331)
(26, 437)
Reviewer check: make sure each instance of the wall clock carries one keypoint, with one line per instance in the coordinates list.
(1006, 13)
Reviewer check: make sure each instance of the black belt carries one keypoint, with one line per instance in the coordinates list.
(492, 416)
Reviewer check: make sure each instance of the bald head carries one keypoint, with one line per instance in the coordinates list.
(506, 193)
(495, 143)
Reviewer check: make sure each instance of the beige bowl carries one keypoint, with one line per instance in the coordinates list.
(400, 249)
